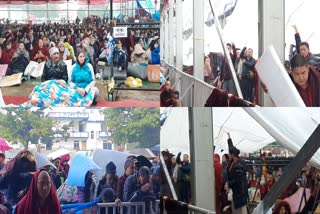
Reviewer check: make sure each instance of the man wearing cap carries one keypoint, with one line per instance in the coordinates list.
(145, 191)
(54, 69)
(128, 170)
(119, 57)
(110, 179)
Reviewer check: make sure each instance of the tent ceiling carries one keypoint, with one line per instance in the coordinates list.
(251, 129)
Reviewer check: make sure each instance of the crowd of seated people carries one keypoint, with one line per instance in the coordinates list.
(54, 43)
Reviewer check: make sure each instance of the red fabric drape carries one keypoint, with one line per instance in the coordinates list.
(29, 203)
(220, 98)
(80, 2)
(218, 182)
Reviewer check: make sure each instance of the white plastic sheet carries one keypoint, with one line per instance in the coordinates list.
(34, 69)
(275, 77)
(42, 160)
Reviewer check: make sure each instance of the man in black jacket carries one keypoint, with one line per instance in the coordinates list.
(237, 180)
(183, 180)
(54, 69)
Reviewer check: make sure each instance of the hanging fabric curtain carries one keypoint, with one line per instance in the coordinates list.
(220, 98)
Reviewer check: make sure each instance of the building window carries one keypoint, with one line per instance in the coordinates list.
(76, 145)
(92, 134)
(107, 146)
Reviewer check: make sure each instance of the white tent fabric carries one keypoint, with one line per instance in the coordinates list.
(242, 26)
(246, 133)
(58, 153)
(231, 32)
(251, 129)
(290, 126)
(174, 133)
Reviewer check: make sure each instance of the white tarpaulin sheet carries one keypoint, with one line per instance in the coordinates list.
(281, 89)
(102, 157)
(251, 129)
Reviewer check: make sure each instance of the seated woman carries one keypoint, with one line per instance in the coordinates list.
(41, 197)
(80, 92)
(64, 53)
(20, 60)
(139, 56)
(82, 76)
(40, 53)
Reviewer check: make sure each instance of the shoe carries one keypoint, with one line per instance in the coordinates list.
(94, 102)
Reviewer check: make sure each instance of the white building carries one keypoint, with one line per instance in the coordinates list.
(88, 130)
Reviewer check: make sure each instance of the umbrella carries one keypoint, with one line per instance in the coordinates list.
(58, 153)
(80, 165)
(144, 161)
(156, 149)
(103, 156)
(42, 160)
(4, 145)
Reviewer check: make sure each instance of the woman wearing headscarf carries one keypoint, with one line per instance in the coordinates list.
(40, 53)
(218, 182)
(18, 175)
(41, 197)
(20, 60)
(139, 56)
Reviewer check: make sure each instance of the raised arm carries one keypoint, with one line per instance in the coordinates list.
(297, 38)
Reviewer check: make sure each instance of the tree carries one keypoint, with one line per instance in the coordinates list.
(134, 125)
(26, 125)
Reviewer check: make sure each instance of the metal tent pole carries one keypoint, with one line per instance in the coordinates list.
(198, 39)
(179, 41)
(219, 31)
